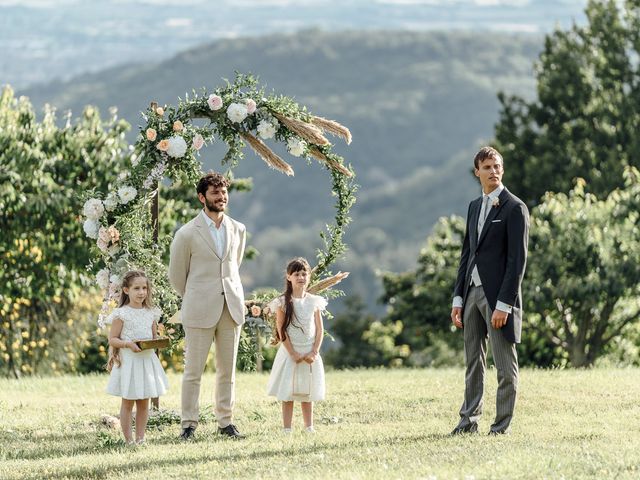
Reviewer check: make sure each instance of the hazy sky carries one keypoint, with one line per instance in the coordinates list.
(57, 39)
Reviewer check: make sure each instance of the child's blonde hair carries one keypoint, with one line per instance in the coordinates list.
(114, 353)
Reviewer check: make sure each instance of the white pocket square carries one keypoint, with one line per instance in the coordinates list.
(495, 221)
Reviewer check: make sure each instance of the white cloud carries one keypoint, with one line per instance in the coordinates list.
(178, 22)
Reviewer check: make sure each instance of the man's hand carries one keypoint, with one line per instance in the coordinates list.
(456, 316)
(499, 319)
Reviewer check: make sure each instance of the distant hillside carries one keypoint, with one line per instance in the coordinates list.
(418, 105)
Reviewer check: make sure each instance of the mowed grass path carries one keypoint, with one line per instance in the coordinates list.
(375, 424)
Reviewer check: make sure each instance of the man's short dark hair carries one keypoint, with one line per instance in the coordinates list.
(486, 153)
(212, 179)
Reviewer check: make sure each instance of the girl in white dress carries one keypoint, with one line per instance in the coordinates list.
(298, 372)
(136, 375)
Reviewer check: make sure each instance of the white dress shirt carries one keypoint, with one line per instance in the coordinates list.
(475, 276)
(219, 235)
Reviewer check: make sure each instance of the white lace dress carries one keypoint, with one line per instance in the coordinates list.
(302, 334)
(140, 374)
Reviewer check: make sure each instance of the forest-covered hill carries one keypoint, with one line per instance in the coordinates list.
(418, 105)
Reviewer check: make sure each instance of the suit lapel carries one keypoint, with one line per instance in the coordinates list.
(227, 229)
(203, 230)
(473, 226)
(493, 212)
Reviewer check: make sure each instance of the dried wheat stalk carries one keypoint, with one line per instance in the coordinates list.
(273, 160)
(332, 127)
(327, 282)
(307, 131)
(318, 155)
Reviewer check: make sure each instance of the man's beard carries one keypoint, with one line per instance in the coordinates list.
(212, 207)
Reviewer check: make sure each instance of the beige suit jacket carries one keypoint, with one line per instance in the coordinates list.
(204, 280)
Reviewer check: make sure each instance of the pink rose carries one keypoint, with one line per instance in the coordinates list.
(151, 134)
(114, 234)
(102, 245)
(104, 235)
(255, 310)
(160, 111)
(215, 102)
(198, 141)
(177, 126)
(163, 145)
(251, 105)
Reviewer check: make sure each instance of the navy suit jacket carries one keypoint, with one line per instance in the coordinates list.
(500, 252)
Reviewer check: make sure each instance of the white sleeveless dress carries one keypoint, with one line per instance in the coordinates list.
(140, 374)
(302, 334)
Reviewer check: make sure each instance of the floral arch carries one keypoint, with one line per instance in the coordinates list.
(168, 145)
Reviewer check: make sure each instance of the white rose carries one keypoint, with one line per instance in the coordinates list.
(237, 112)
(91, 228)
(296, 147)
(266, 129)
(102, 278)
(177, 147)
(127, 194)
(111, 202)
(93, 209)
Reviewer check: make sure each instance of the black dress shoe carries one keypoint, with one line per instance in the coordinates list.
(499, 432)
(230, 431)
(188, 433)
(470, 428)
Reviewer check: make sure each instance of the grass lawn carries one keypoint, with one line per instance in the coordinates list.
(375, 424)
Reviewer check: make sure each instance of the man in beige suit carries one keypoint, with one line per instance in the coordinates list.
(206, 254)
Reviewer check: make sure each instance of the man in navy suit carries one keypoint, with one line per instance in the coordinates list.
(488, 297)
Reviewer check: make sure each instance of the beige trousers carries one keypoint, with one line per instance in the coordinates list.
(197, 343)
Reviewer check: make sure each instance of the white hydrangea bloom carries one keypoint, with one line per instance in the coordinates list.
(177, 147)
(237, 112)
(266, 129)
(126, 194)
(113, 250)
(91, 228)
(93, 209)
(102, 278)
(296, 146)
(111, 202)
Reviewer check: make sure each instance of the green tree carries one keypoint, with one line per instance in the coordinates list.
(421, 298)
(43, 247)
(582, 286)
(364, 341)
(585, 119)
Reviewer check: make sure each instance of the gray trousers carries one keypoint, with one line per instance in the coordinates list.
(476, 319)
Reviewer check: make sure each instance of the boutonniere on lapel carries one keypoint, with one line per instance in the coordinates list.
(495, 203)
